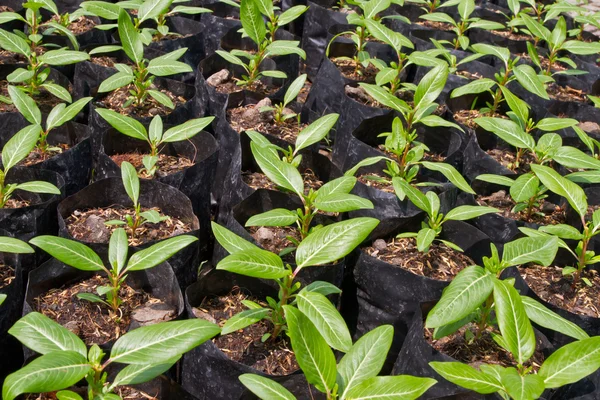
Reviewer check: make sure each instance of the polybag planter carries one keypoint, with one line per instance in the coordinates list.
(110, 192)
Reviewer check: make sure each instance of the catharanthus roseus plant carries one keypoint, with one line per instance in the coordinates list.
(334, 196)
(154, 135)
(438, 55)
(146, 353)
(290, 95)
(14, 246)
(522, 73)
(275, 19)
(354, 377)
(80, 256)
(59, 115)
(254, 27)
(324, 246)
(430, 203)
(131, 183)
(14, 151)
(466, 22)
(578, 201)
(143, 72)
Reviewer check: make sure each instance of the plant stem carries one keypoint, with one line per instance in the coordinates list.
(485, 316)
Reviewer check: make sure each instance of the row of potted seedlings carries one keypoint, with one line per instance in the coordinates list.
(391, 209)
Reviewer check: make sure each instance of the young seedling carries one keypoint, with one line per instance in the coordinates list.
(578, 201)
(60, 114)
(277, 20)
(80, 256)
(556, 371)
(430, 203)
(254, 27)
(324, 246)
(141, 76)
(460, 28)
(291, 93)
(356, 372)
(557, 42)
(595, 100)
(155, 135)
(438, 55)
(147, 352)
(35, 77)
(131, 183)
(523, 73)
(429, 6)
(14, 151)
(402, 140)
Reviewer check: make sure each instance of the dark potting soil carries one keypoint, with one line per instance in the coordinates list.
(17, 203)
(104, 61)
(94, 323)
(552, 214)
(508, 159)
(274, 238)
(441, 26)
(347, 68)
(439, 262)
(8, 57)
(381, 182)
(565, 93)
(36, 156)
(81, 25)
(360, 95)
(230, 85)
(89, 225)
(166, 165)
(469, 75)
(302, 96)
(7, 275)
(480, 351)
(248, 117)
(125, 392)
(467, 117)
(257, 180)
(513, 36)
(550, 285)
(273, 357)
(544, 62)
(45, 101)
(115, 101)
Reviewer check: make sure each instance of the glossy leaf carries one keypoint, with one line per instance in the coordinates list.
(126, 125)
(547, 318)
(19, 146)
(70, 252)
(342, 202)
(252, 21)
(466, 376)
(541, 250)
(131, 182)
(563, 187)
(315, 132)
(230, 241)
(463, 213)
(274, 217)
(403, 387)
(256, 263)
(571, 362)
(528, 78)
(186, 130)
(244, 319)
(265, 388)
(281, 173)
(130, 38)
(26, 105)
(159, 252)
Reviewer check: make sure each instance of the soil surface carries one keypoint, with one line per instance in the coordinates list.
(544, 62)
(566, 93)
(467, 117)
(481, 351)
(94, 323)
(347, 68)
(508, 159)
(552, 214)
(7, 275)
(439, 262)
(257, 180)
(224, 82)
(125, 392)
(166, 165)
(377, 181)
(8, 57)
(274, 238)
(45, 101)
(550, 284)
(116, 99)
(438, 26)
(520, 37)
(17, 203)
(273, 357)
(249, 117)
(104, 61)
(81, 25)
(89, 226)
(36, 156)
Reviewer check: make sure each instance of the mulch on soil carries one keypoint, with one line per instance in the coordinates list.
(7, 275)
(552, 214)
(166, 165)
(115, 101)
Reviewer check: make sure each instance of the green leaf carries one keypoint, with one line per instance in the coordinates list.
(151, 9)
(15, 246)
(434, 120)
(161, 67)
(230, 58)
(386, 35)
(315, 132)
(414, 195)
(468, 377)
(373, 7)
(563, 187)
(496, 179)
(430, 86)
(256, 263)
(117, 249)
(518, 106)
(571, 362)
(424, 239)
(140, 373)
(284, 48)
(382, 96)
(294, 89)
(189, 10)
(450, 173)
(364, 163)
(581, 48)
(325, 288)
(513, 322)
(252, 21)
(160, 343)
(186, 130)
(508, 131)
(69, 252)
(68, 113)
(63, 57)
(326, 319)
(584, 177)
(159, 252)
(501, 52)
(563, 231)
(16, 44)
(290, 14)
(274, 217)
(312, 352)
(130, 38)
(68, 395)
(543, 316)
(126, 125)
(65, 32)
(265, 388)
(244, 319)
(467, 291)
(19, 146)
(343, 184)
(527, 77)
(474, 87)
(522, 387)
(525, 187)
(50, 372)
(365, 359)
(334, 241)
(463, 213)
(8, 16)
(342, 202)
(38, 187)
(274, 74)
(438, 17)
(42, 335)
(230, 241)
(541, 250)
(19, 75)
(571, 157)
(555, 124)
(115, 81)
(131, 182)
(102, 9)
(280, 172)
(536, 28)
(403, 387)
(26, 105)
(105, 49)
